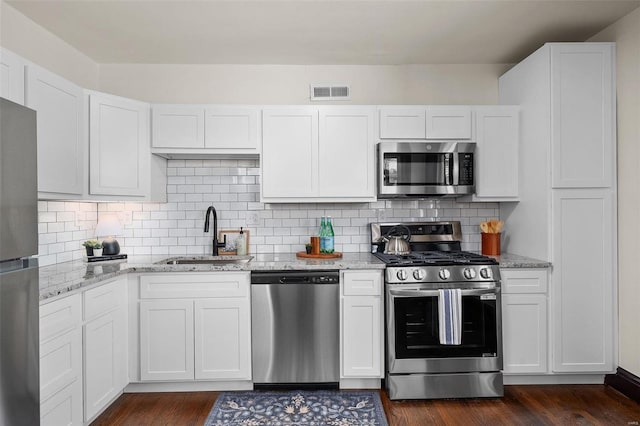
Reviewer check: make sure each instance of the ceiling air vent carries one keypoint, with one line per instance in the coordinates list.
(329, 92)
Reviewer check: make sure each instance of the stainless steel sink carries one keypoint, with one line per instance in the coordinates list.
(212, 260)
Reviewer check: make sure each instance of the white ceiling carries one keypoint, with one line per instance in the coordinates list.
(319, 31)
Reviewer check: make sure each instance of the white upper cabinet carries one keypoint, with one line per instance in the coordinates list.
(289, 162)
(448, 122)
(183, 131)
(61, 147)
(318, 154)
(582, 115)
(402, 122)
(12, 76)
(177, 126)
(119, 157)
(426, 122)
(496, 155)
(231, 129)
(347, 157)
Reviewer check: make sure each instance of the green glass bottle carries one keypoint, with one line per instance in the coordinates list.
(323, 235)
(330, 245)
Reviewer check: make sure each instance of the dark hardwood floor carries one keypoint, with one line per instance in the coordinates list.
(521, 405)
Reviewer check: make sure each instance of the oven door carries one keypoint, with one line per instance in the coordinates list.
(413, 344)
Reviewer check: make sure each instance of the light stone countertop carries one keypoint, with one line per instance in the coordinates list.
(508, 260)
(68, 277)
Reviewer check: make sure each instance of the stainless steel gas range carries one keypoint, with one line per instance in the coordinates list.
(436, 278)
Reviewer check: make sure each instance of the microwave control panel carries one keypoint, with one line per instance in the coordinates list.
(466, 168)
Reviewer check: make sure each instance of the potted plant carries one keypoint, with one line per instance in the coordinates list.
(93, 247)
(308, 248)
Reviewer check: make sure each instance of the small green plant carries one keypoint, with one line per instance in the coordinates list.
(94, 244)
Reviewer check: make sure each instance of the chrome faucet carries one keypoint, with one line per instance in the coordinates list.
(216, 244)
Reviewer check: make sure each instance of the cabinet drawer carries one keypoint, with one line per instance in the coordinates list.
(100, 300)
(194, 285)
(524, 281)
(60, 316)
(362, 283)
(60, 362)
(63, 408)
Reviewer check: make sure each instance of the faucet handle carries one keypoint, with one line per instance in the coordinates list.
(224, 241)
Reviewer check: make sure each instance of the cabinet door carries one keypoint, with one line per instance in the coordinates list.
(104, 363)
(12, 76)
(496, 152)
(448, 122)
(119, 153)
(524, 333)
(583, 115)
(583, 280)
(166, 340)
(289, 162)
(61, 148)
(346, 160)
(222, 339)
(403, 123)
(177, 126)
(361, 338)
(105, 345)
(232, 128)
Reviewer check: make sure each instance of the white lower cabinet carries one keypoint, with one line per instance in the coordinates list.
(195, 326)
(524, 321)
(222, 323)
(166, 340)
(362, 325)
(105, 346)
(61, 362)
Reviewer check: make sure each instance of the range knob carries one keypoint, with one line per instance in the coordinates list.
(444, 274)
(419, 274)
(401, 274)
(469, 273)
(485, 273)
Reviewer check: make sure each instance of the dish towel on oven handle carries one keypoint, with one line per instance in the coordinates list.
(450, 316)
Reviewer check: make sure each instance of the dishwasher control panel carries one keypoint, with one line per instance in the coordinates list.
(295, 277)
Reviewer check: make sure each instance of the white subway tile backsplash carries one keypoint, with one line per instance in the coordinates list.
(232, 187)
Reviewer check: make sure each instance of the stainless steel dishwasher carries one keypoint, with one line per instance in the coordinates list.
(294, 327)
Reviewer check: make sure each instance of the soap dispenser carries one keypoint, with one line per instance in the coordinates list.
(241, 244)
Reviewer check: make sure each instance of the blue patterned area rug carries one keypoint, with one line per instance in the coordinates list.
(307, 408)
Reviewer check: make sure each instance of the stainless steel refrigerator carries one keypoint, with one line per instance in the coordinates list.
(19, 328)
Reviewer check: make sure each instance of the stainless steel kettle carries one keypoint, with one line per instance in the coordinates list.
(397, 240)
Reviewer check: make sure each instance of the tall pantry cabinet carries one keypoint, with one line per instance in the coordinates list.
(567, 208)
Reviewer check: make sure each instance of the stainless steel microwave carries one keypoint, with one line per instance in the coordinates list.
(425, 169)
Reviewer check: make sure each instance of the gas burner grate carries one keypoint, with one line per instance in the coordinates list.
(437, 258)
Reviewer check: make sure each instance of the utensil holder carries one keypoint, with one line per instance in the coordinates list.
(490, 244)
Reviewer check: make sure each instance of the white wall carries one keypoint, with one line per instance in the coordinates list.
(626, 34)
(31, 41)
(289, 84)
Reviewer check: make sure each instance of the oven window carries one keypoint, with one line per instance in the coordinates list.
(417, 169)
(416, 328)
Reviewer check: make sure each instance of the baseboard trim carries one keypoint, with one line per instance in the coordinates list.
(624, 382)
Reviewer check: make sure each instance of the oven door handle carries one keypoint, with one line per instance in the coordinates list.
(434, 293)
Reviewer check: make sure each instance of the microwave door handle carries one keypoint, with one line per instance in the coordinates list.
(434, 293)
(455, 159)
